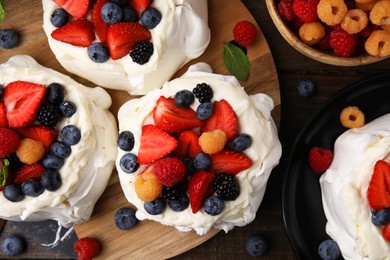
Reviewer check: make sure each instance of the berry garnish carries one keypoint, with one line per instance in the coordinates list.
(380, 217)
(43, 134)
(329, 250)
(9, 141)
(140, 5)
(30, 151)
(13, 193)
(184, 98)
(32, 188)
(151, 17)
(111, 13)
(306, 88)
(306, 10)
(226, 187)
(257, 245)
(320, 159)
(213, 141)
(204, 110)
(13, 245)
(142, 52)
(98, 52)
(386, 232)
(59, 17)
(86, 248)
(125, 218)
(76, 8)
(51, 180)
(147, 186)
(67, 109)
(55, 93)
(198, 188)
(78, 33)
(244, 33)
(172, 193)
(203, 92)
(179, 204)
(201, 161)
(52, 161)
(60, 149)
(70, 135)
(187, 144)
(343, 43)
(169, 170)
(241, 142)
(155, 207)
(9, 38)
(129, 163)
(3, 115)
(213, 206)
(125, 141)
(48, 115)
(378, 191)
(33, 171)
(229, 162)
(97, 20)
(286, 11)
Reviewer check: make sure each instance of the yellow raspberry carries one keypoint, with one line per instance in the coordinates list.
(212, 141)
(378, 43)
(311, 33)
(331, 12)
(30, 151)
(148, 187)
(354, 21)
(352, 117)
(380, 13)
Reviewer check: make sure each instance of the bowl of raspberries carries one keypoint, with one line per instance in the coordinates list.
(337, 32)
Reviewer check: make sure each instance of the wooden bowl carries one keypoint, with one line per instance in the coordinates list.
(327, 57)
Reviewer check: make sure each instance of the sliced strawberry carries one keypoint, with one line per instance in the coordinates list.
(229, 162)
(386, 232)
(139, 5)
(187, 144)
(169, 170)
(22, 100)
(9, 141)
(172, 118)
(43, 134)
(121, 38)
(97, 21)
(198, 188)
(222, 118)
(3, 115)
(378, 192)
(76, 8)
(32, 171)
(78, 33)
(154, 144)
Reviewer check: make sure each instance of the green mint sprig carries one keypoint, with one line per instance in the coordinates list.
(2, 10)
(4, 173)
(236, 61)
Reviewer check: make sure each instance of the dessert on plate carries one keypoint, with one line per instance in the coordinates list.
(134, 45)
(355, 191)
(58, 144)
(197, 153)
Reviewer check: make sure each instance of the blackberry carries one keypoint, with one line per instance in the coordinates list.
(172, 193)
(14, 162)
(226, 187)
(142, 52)
(203, 92)
(48, 115)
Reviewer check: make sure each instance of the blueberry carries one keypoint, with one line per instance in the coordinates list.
(60, 149)
(111, 13)
(155, 207)
(189, 164)
(213, 205)
(151, 17)
(67, 109)
(70, 135)
(181, 204)
(184, 98)
(256, 245)
(98, 52)
(51, 180)
(59, 17)
(129, 14)
(204, 110)
(125, 218)
(55, 93)
(129, 163)
(306, 88)
(13, 193)
(32, 188)
(126, 141)
(119, 2)
(13, 245)
(52, 161)
(201, 161)
(9, 39)
(380, 217)
(329, 250)
(241, 142)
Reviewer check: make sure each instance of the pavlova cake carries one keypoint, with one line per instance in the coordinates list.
(356, 191)
(57, 144)
(197, 153)
(130, 45)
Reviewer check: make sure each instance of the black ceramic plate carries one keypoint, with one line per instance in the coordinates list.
(302, 206)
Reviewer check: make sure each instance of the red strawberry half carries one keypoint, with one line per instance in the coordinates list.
(100, 26)
(198, 188)
(320, 159)
(43, 134)
(378, 192)
(3, 115)
(139, 5)
(187, 144)
(229, 162)
(33, 171)
(78, 33)
(9, 141)
(169, 170)
(76, 8)
(386, 232)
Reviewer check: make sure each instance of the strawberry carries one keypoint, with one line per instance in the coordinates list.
(378, 192)
(3, 115)
(139, 5)
(86, 248)
(154, 144)
(222, 118)
(386, 232)
(198, 187)
(172, 118)
(32, 171)
(187, 144)
(100, 26)
(78, 33)
(76, 8)
(43, 134)
(122, 37)
(9, 141)
(320, 159)
(244, 33)
(22, 100)
(229, 162)
(169, 170)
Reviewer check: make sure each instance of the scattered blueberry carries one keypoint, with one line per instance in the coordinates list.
(142, 52)
(98, 52)
(8, 39)
(306, 88)
(257, 245)
(13, 245)
(13, 193)
(189, 164)
(67, 109)
(60, 149)
(180, 204)
(52, 161)
(51, 180)
(129, 14)
(126, 141)
(241, 142)
(125, 218)
(184, 98)
(70, 135)
(151, 17)
(380, 217)
(129, 163)
(329, 250)
(32, 188)
(204, 110)
(55, 93)
(155, 207)
(111, 13)
(119, 2)
(201, 161)
(213, 205)
(59, 17)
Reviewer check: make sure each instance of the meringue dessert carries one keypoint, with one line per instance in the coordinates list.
(135, 48)
(197, 153)
(58, 144)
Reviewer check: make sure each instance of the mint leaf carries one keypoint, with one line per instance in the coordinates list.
(236, 61)
(2, 10)
(4, 173)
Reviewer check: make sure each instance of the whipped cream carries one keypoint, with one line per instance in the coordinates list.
(344, 187)
(182, 35)
(86, 171)
(254, 118)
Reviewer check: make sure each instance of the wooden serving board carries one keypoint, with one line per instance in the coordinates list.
(147, 240)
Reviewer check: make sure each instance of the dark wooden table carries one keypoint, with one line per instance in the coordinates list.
(296, 110)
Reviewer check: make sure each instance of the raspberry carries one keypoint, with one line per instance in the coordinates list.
(286, 10)
(169, 170)
(86, 248)
(244, 33)
(213, 141)
(378, 44)
(331, 12)
(311, 33)
(306, 10)
(30, 151)
(148, 187)
(320, 159)
(324, 44)
(352, 117)
(343, 43)
(9, 142)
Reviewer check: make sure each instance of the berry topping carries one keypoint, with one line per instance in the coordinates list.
(51, 180)
(226, 187)
(172, 193)
(213, 141)
(201, 161)
(142, 52)
(329, 250)
(184, 98)
(52, 161)
(97, 20)
(256, 245)
(179, 204)
(155, 207)
(147, 186)
(9, 39)
(70, 135)
(13, 245)
(343, 43)
(111, 13)
(55, 93)
(378, 192)
(140, 5)
(59, 17)
(32, 188)
(204, 110)
(86, 248)
(213, 206)
(151, 17)
(76, 8)
(3, 115)
(60, 149)
(198, 188)
(129, 14)
(241, 142)
(48, 115)
(306, 10)
(78, 33)
(380, 217)
(13, 193)
(43, 134)
(98, 52)
(386, 232)
(168, 170)
(229, 162)
(125, 218)
(187, 144)
(244, 33)
(306, 88)
(30, 151)
(320, 159)
(67, 109)
(9, 141)
(33, 171)
(203, 92)
(126, 141)
(129, 163)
